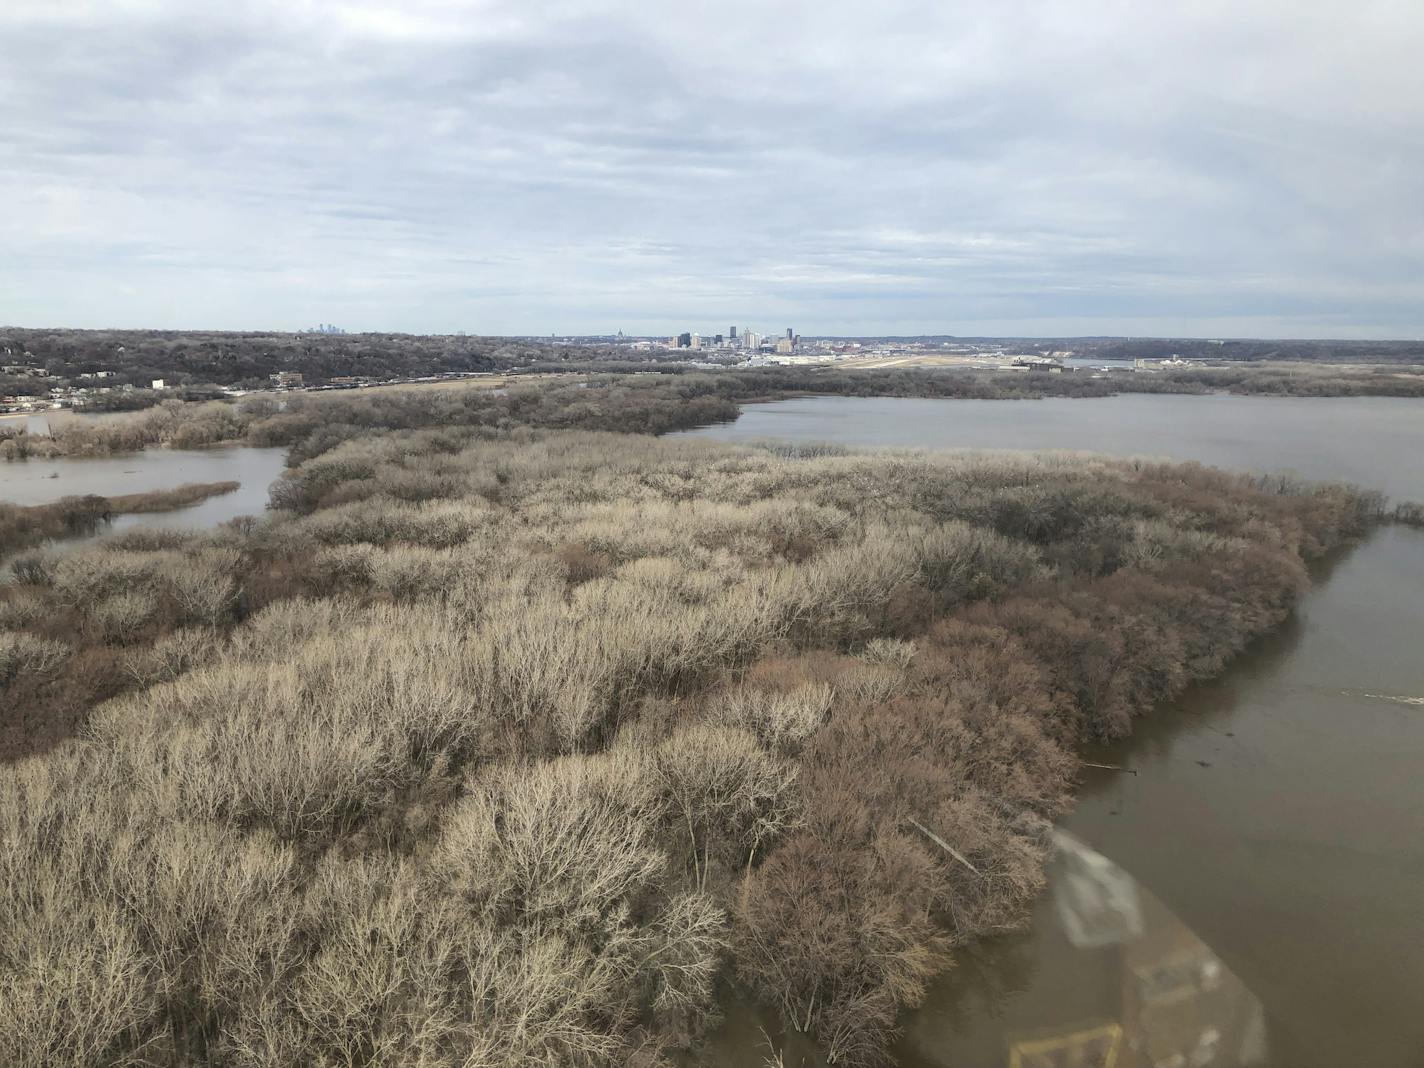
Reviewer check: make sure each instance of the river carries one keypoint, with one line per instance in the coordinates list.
(1254, 895)
(1374, 441)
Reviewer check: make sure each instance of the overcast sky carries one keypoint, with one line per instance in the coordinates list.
(1188, 167)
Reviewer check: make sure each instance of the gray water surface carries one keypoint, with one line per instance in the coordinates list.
(1375, 441)
(42, 481)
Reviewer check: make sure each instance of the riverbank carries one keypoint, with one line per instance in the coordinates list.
(1272, 810)
(1271, 806)
(800, 722)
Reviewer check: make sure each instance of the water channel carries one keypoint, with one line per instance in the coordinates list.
(1254, 895)
(38, 481)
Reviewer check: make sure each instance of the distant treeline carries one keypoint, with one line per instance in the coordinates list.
(1285, 351)
(1274, 380)
(1314, 380)
(216, 358)
(182, 358)
(1161, 348)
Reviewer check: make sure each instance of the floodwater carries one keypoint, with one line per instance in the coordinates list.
(41, 481)
(1374, 441)
(41, 423)
(1254, 895)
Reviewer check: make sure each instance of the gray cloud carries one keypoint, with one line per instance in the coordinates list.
(496, 166)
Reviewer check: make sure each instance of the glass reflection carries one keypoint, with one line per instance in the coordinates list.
(1104, 976)
(1168, 1002)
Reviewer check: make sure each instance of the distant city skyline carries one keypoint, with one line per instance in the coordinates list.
(964, 168)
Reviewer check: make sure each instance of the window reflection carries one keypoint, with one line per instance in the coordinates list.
(1172, 1004)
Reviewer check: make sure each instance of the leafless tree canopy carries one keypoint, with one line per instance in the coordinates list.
(500, 745)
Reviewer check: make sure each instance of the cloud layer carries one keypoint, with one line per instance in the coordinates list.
(528, 167)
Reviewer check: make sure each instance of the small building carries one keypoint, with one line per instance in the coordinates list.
(286, 379)
(158, 383)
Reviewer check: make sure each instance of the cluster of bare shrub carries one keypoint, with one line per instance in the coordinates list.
(1288, 380)
(509, 750)
(111, 605)
(309, 424)
(177, 423)
(248, 358)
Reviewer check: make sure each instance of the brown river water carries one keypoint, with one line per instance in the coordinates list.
(1254, 895)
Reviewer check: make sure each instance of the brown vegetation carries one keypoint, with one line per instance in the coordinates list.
(184, 357)
(504, 747)
(1283, 380)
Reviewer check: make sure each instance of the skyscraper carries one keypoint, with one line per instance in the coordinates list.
(790, 336)
(733, 334)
